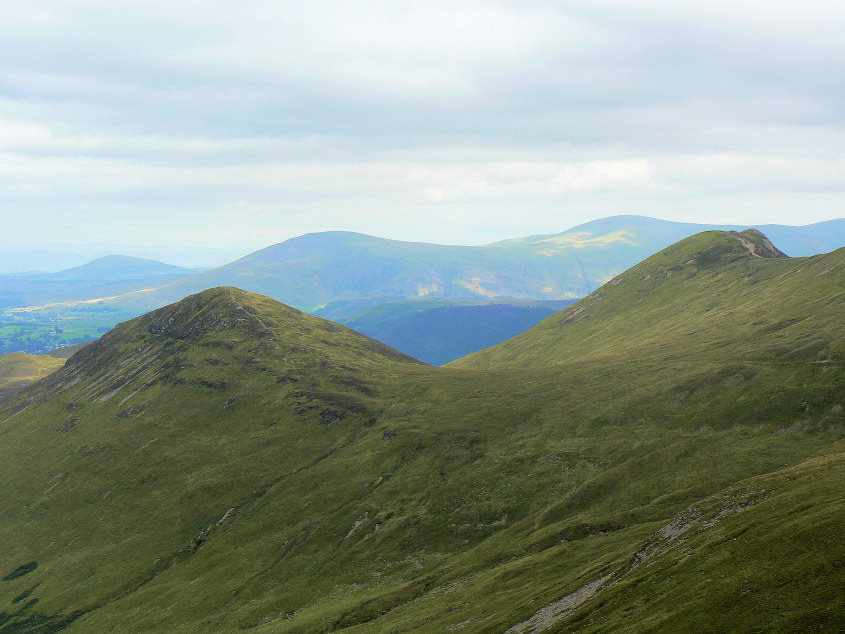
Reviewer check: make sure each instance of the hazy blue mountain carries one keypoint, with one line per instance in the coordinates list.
(56, 257)
(313, 270)
(108, 275)
(651, 234)
(821, 237)
(440, 331)
(117, 268)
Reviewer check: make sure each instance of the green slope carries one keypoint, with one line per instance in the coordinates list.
(688, 298)
(18, 369)
(228, 462)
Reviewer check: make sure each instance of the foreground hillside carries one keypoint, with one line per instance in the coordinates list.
(227, 463)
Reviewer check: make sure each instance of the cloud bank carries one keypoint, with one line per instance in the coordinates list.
(241, 124)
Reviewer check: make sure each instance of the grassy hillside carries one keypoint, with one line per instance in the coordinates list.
(688, 298)
(19, 369)
(228, 462)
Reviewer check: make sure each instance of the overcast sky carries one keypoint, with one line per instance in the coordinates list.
(240, 124)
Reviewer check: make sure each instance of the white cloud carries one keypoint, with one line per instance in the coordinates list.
(469, 120)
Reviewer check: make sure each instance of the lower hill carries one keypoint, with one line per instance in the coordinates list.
(18, 369)
(229, 463)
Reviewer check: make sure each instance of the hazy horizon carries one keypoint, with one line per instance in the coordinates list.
(239, 125)
(69, 254)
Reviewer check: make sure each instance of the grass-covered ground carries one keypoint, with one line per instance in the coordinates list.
(19, 369)
(667, 449)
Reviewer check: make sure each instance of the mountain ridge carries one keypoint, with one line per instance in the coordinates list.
(337, 265)
(699, 262)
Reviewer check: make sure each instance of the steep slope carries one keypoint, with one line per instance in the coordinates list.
(228, 462)
(713, 287)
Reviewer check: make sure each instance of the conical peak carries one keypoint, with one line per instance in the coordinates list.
(213, 310)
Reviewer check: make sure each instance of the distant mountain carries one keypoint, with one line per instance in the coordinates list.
(104, 277)
(439, 331)
(316, 269)
(650, 234)
(313, 271)
(666, 454)
(112, 268)
(52, 258)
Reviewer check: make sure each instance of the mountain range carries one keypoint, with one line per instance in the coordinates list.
(316, 269)
(334, 274)
(665, 454)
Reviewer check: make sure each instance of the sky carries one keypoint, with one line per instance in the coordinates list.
(236, 125)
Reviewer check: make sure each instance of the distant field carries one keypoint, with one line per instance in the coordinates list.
(36, 338)
(40, 331)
